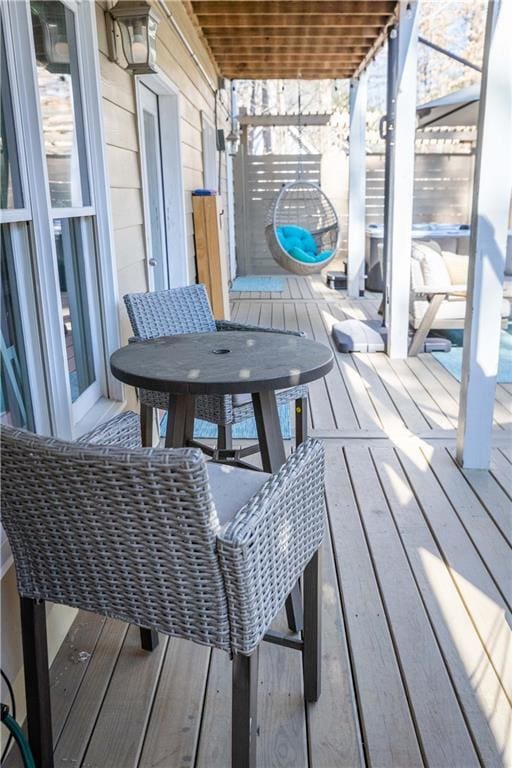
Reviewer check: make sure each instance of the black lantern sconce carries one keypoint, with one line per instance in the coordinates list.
(137, 22)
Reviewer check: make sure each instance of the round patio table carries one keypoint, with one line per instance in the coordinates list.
(223, 363)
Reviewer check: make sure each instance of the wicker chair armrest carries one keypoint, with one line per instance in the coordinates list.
(267, 545)
(229, 325)
(123, 431)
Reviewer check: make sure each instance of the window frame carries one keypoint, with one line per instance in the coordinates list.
(64, 416)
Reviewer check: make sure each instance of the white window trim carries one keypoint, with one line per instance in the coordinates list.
(106, 266)
(172, 172)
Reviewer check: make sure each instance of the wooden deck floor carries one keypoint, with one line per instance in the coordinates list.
(417, 660)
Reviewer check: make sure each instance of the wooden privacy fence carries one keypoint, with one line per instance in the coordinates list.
(443, 186)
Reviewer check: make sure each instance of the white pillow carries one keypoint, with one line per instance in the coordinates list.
(457, 265)
(431, 259)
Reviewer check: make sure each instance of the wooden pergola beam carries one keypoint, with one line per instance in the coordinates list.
(489, 222)
(278, 120)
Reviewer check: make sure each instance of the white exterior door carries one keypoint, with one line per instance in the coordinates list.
(154, 204)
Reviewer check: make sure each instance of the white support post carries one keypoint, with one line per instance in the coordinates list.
(401, 182)
(230, 185)
(491, 200)
(357, 185)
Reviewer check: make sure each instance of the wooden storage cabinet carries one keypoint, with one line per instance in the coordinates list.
(210, 253)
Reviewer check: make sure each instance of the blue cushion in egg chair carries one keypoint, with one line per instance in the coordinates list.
(300, 255)
(292, 237)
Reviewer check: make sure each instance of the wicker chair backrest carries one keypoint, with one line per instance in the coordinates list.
(125, 533)
(166, 313)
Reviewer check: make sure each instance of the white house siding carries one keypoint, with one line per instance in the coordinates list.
(119, 113)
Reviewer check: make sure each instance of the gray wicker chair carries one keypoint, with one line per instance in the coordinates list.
(165, 540)
(187, 310)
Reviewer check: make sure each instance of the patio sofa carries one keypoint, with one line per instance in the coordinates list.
(438, 292)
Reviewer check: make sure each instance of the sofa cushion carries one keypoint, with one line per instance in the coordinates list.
(232, 487)
(433, 267)
(457, 265)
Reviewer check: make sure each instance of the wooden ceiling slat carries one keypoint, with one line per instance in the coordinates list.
(313, 58)
(290, 23)
(341, 75)
(266, 36)
(279, 7)
(257, 51)
(290, 71)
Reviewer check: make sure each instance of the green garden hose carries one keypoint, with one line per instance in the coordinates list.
(19, 737)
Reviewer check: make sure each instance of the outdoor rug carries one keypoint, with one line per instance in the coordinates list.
(255, 284)
(244, 430)
(452, 360)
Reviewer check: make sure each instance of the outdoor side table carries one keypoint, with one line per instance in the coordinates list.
(222, 363)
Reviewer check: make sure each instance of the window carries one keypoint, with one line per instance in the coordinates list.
(11, 195)
(57, 286)
(15, 401)
(59, 91)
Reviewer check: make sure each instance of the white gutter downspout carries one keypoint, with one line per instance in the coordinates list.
(187, 45)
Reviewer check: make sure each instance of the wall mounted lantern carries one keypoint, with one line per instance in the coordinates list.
(51, 36)
(233, 142)
(137, 22)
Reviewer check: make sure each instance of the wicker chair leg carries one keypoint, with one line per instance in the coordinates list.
(312, 633)
(244, 723)
(294, 613)
(37, 681)
(146, 425)
(224, 437)
(148, 639)
(301, 420)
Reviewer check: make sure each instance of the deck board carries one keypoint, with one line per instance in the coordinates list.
(479, 690)
(440, 726)
(417, 667)
(390, 737)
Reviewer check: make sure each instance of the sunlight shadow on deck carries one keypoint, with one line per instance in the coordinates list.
(484, 679)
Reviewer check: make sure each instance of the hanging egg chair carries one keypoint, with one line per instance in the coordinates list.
(302, 229)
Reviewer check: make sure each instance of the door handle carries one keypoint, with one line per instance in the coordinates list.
(152, 262)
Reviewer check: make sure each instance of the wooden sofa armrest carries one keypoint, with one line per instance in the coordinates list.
(432, 290)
